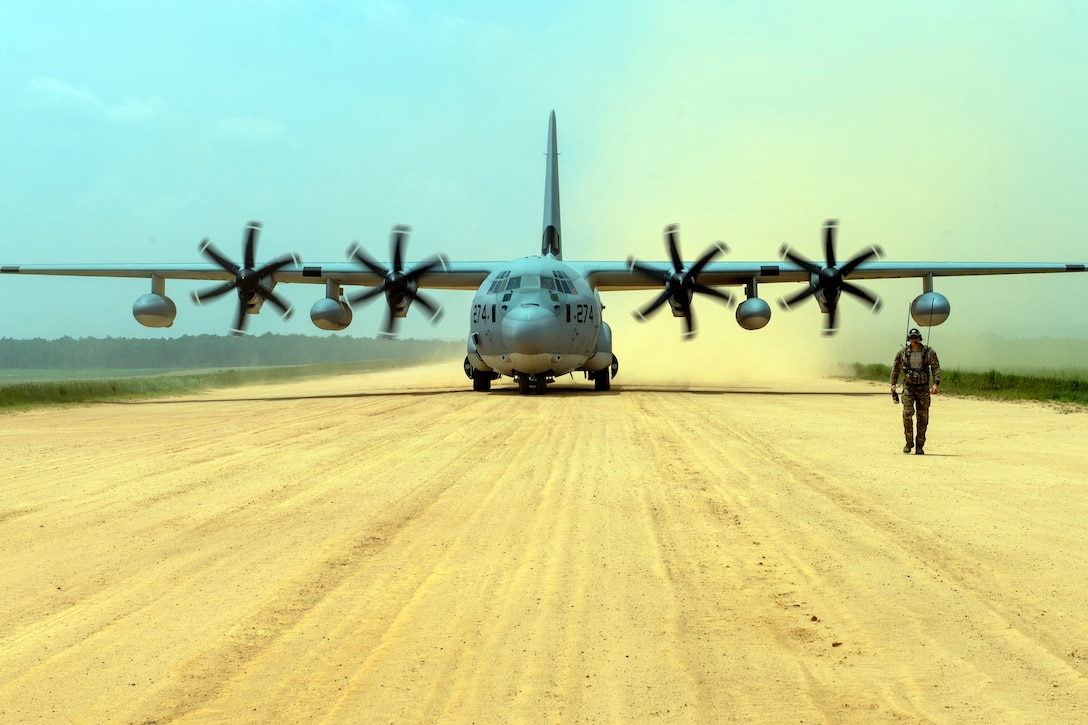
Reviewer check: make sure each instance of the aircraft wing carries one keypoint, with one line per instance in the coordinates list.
(617, 276)
(456, 275)
(607, 276)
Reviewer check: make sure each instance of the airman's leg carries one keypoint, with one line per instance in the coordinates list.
(923, 419)
(908, 419)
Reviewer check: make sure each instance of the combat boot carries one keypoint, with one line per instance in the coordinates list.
(908, 446)
(918, 448)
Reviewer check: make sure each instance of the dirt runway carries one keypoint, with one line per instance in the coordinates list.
(393, 547)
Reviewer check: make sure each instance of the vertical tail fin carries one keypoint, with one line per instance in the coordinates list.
(552, 243)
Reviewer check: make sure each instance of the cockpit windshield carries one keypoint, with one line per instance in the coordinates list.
(557, 283)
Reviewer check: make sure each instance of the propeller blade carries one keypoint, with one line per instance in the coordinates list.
(831, 226)
(722, 295)
(789, 302)
(649, 309)
(788, 254)
(269, 296)
(646, 270)
(861, 258)
(829, 324)
(873, 300)
(716, 249)
(276, 265)
(211, 294)
(671, 240)
(396, 244)
(369, 294)
(209, 250)
(251, 244)
(240, 319)
(426, 266)
(356, 252)
(389, 327)
(435, 310)
(689, 323)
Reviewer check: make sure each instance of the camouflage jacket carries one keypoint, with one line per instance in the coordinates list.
(918, 366)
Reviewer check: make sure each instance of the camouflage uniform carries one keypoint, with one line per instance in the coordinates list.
(919, 367)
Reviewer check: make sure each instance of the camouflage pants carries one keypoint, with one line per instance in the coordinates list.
(915, 397)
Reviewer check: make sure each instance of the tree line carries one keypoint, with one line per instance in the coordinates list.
(210, 351)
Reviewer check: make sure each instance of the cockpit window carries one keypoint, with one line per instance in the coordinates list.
(557, 282)
(524, 281)
(498, 283)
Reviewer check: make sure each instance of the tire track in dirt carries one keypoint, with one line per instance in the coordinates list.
(715, 552)
(871, 531)
(209, 676)
(511, 602)
(226, 519)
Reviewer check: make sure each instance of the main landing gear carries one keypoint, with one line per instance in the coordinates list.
(481, 381)
(602, 379)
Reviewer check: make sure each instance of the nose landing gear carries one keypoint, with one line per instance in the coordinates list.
(529, 383)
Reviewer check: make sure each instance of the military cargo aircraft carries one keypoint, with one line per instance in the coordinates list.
(539, 317)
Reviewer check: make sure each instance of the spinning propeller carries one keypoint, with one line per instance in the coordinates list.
(828, 282)
(681, 284)
(400, 285)
(247, 278)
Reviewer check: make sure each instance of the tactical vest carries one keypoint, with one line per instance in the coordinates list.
(912, 375)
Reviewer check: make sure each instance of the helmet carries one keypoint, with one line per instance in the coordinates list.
(914, 333)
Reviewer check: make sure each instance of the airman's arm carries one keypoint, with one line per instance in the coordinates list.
(897, 364)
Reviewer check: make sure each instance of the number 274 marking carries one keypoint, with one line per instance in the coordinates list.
(581, 313)
(483, 313)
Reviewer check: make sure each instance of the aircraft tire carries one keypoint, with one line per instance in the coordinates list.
(481, 381)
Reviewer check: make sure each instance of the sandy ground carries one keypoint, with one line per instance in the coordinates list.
(394, 547)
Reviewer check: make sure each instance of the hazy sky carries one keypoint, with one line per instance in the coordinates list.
(950, 131)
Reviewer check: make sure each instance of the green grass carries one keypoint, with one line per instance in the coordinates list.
(1066, 386)
(29, 375)
(81, 387)
(90, 389)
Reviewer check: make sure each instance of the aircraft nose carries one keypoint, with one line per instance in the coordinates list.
(529, 329)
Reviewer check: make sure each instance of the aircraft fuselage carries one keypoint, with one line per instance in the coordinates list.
(537, 317)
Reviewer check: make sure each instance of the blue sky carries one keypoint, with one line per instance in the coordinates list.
(941, 131)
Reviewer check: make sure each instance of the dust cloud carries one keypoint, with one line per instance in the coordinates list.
(722, 353)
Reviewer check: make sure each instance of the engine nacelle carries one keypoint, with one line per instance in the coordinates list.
(331, 314)
(753, 314)
(930, 309)
(154, 310)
